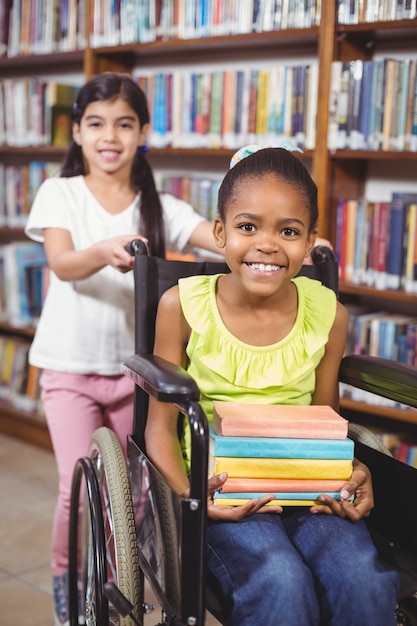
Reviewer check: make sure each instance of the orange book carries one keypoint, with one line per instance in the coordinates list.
(269, 485)
(278, 420)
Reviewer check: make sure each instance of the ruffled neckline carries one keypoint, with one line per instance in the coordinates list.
(244, 365)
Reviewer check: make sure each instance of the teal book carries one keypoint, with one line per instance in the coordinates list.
(285, 495)
(277, 447)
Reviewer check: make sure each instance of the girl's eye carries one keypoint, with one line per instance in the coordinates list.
(247, 228)
(125, 125)
(290, 232)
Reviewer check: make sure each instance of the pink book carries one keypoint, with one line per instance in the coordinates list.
(278, 420)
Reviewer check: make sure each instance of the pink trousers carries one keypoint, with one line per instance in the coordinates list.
(75, 406)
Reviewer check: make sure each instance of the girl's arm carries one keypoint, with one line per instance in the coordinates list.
(161, 434)
(203, 237)
(327, 372)
(70, 264)
(327, 392)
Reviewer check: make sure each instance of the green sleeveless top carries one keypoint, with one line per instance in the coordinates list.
(227, 369)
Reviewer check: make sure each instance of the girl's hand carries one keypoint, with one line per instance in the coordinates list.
(115, 254)
(359, 485)
(236, 513)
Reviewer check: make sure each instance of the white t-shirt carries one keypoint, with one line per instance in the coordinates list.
(87, 326)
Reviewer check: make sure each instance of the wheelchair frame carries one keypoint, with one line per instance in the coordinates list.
(111, 528)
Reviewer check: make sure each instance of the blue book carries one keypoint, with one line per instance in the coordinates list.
(284, 495)
(365, 104)
(277, 447)
(395, 245)
(397, 238)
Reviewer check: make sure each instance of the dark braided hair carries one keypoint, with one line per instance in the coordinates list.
(107, 87)
(278, 162)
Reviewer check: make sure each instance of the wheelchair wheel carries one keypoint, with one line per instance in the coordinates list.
(121, 554)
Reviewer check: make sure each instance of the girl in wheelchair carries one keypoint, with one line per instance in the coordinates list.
(260, 335)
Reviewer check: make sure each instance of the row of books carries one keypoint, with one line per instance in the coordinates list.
(373, 105)
(24, 280)
(19, 381)
(376, 242)
(382, 334)
(201, 193)
(34, 111)
(293, 452)
(18, 186)
(401, 445)
(212, 109)
(41, 26)
(358, 11)
(148, 20)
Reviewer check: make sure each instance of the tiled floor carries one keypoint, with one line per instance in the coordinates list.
(28, 487)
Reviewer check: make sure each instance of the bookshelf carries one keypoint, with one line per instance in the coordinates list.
(339, 173)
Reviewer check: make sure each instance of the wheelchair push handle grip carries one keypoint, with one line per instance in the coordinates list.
(322, 254)
(137, 246)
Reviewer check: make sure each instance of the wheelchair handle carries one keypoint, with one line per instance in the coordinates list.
(137, 246)
(322, 254)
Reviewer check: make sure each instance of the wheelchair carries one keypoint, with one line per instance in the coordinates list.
(126, 523)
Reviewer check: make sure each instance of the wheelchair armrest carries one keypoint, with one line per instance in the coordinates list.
(161, 379)
(390, 379)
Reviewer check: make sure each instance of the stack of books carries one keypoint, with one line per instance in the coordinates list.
(294, 452)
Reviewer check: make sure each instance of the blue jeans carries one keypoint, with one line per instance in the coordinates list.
(299, 568)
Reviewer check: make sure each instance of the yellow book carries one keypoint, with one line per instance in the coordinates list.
(262, 103)
(281, 468)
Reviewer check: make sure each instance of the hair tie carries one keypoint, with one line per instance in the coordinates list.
(246, 151)
(143, 149)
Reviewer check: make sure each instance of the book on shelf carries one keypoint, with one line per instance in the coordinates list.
(378, 245)
(395, 253)
(284, 447)
(18, 185)
(21, 261)
(19, 381)
(411, 109)
(385, 333)
(252, 467)
(277, 420)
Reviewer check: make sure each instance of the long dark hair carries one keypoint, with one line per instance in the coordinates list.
(110, 86)
(278, 162)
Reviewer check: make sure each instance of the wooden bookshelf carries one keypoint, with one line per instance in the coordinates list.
(338, 173)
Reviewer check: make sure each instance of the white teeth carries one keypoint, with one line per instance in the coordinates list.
(262, 267)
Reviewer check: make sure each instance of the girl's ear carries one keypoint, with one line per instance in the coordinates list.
(311, 240)
(144, 132)
(219, 233)
(76, 134)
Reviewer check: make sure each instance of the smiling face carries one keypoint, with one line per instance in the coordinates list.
(265, 233)
(109, 134)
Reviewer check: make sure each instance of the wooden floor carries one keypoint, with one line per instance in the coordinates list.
(28, 488)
